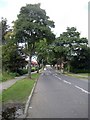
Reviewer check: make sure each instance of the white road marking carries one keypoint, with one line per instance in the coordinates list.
(58, 77)
(70, 84)
(82, 89)
(67, 82)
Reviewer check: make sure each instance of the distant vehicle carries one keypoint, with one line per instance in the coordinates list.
(47, 65)
(44, 68)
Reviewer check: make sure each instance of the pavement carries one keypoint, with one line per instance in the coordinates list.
(59, 96)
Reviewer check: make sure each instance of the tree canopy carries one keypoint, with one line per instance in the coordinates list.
(34, 28)
(4, 29)
(68, 46)
(31, 26)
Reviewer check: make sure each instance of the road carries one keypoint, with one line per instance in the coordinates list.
(59, 96)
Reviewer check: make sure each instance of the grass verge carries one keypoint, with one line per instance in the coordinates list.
(79, 75)
(0, 77)
(20, 91)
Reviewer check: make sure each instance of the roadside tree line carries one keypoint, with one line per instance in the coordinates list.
(71, 52)
(31, 26)
(33, 29)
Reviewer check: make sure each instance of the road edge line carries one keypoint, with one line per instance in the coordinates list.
(28, 101)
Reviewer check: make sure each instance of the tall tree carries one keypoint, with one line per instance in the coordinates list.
(5, 28)
(81, 62)
(13, 58)
(71, 42)
(42, 50)
(31, 26)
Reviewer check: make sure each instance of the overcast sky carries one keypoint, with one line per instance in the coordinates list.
(65, 13)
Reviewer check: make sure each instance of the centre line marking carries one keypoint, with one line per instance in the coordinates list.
(82, 89)
(67, 82)
(59, 78)
(56, 76)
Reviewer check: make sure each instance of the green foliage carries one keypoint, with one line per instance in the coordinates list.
(80, 63)
(23, 87)
(71, 49)
(0, 77)
(22, 71)
(42, 52)
(72, 41)
(11, 75)
(4, 29)
(12, 57)
(31, 26)
(8, 76)
(79, 70)
(33, 69)
(78, 75)
(0, 58)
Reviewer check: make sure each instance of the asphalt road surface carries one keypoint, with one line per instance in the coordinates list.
(59, 96)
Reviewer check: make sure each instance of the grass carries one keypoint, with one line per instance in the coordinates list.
(0, 77)
(78, 75)
(0, 98)
(20, 91)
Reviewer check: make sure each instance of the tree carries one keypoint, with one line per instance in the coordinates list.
(31, 26)
(80, 62)
(69, 43)
(13, 58)
(42, 51)
(4, 29)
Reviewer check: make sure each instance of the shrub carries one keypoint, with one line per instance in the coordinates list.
(80, 70)
(22, 71)
(33, 69)
(8, 75)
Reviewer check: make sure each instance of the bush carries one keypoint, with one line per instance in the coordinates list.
(33, 69)
(22, 71)
(8, 76)
(11, 75)
(25, 71)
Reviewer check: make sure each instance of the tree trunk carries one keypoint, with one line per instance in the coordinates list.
(38, 69)
(60, 64)
(68, 66)
(29, 66)
(62, 67)
(57, 67)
